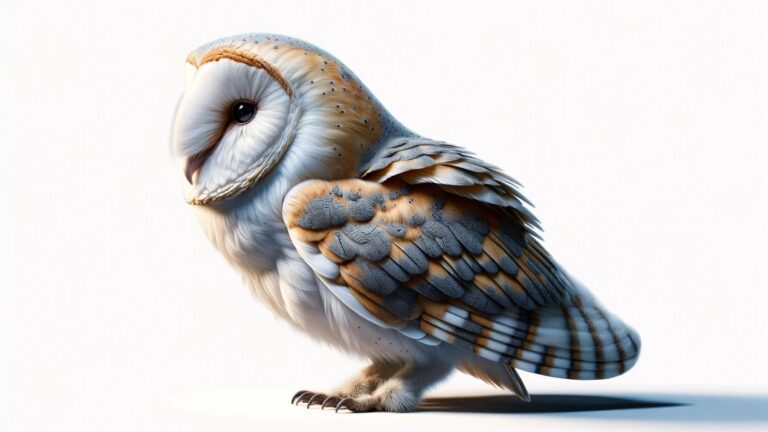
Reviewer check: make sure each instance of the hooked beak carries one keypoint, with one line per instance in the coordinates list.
(193, 165)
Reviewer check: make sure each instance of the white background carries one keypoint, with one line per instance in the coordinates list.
(638, 128)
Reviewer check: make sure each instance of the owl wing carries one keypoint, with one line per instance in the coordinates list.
(437, 244)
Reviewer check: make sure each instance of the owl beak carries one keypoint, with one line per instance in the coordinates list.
(193, 165)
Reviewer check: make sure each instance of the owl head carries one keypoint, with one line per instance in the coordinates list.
(262, 106)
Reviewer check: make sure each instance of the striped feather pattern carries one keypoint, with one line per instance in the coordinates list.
(568, 341)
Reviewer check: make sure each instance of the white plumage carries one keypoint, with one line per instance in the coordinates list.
(405, 250)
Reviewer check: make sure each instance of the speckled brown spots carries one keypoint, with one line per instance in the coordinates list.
(314, 77)
(323, 79)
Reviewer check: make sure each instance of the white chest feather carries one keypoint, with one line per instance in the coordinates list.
(251, 235)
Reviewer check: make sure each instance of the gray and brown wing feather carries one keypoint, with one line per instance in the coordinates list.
(452, 260)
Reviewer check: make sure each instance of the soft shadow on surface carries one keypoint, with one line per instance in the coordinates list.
(650, 407)
(538, 404)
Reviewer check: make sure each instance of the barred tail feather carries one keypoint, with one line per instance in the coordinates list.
(576, 340)
(579, 342)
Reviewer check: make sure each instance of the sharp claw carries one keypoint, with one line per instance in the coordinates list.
(327, 401)
(342, 404)
(316, 395)
(298, 393)
(303, 395)
(314, 398)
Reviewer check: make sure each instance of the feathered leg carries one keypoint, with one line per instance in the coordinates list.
(402, 392)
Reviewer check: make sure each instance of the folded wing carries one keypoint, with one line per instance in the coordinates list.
(437, 244)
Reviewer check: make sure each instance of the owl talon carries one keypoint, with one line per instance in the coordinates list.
(328, 401)
(304, 397)
(295, 396)
(315, 396)
(342, 404)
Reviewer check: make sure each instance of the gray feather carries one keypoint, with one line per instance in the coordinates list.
(368, 241)
(322, 213)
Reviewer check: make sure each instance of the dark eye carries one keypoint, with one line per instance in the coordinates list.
(243, 112)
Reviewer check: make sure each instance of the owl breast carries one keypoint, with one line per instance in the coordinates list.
(249, 232)
(251, 235)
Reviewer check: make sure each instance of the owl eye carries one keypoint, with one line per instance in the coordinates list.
(242, 112)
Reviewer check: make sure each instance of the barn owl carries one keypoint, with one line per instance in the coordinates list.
(407, 251)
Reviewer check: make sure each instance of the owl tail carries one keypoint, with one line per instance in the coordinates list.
(577, 341)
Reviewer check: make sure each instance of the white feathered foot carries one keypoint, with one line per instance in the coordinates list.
(382, 386)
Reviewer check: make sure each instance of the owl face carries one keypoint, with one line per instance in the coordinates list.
(256, 103)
